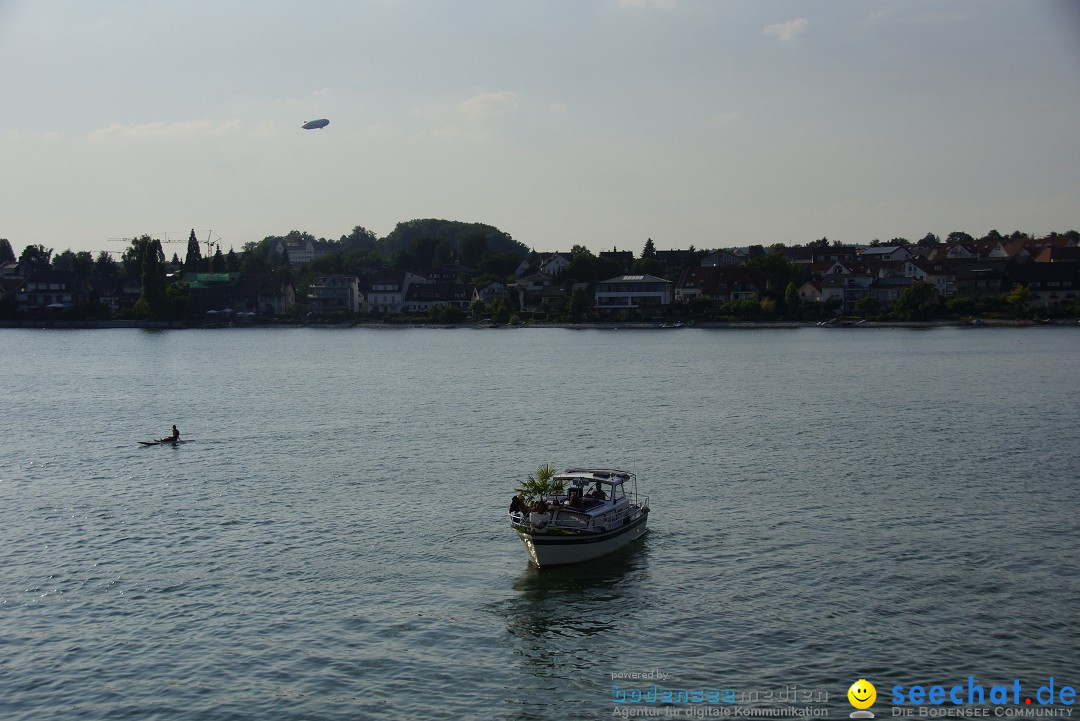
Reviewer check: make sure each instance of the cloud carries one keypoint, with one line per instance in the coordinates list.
(725, 118)
(186, 130)
(486, 105)
(786, 31)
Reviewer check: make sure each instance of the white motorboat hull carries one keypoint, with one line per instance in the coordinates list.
(554, 549)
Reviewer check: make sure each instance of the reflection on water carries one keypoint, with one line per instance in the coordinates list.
(563, 621)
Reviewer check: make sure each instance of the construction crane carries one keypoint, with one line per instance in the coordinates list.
(162, 237)
(211, 245)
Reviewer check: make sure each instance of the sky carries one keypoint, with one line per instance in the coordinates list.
(603, 123)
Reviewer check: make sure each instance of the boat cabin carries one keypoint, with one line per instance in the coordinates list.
(593, 501)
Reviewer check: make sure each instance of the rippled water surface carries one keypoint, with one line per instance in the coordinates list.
(828, 504)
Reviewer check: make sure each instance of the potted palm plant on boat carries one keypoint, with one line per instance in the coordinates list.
(541, 484)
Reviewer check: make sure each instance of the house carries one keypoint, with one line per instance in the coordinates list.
(937, 274)
(1051, 284)
(884, 253)
(117, 295)
(210, 291)
(12, 275)
(386, 290)
(1053, 254)
(449, 273)
(810, 292)
(635, 294)
(335, 293)
(421, 296)
(836, 254)
(522, 268)
(721, 258)
(720, 283)
(264, 293)
(847, 287)
(978, 278)
(43, 290)
(889, 289)
(623, 258)
(552, 296)
(554, 264)
(490, 292)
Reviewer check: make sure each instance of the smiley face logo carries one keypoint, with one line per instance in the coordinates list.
(862, 694)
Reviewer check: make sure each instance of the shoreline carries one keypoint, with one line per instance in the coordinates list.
(597, 325)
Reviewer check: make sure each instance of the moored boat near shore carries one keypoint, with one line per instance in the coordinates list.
(588, 514)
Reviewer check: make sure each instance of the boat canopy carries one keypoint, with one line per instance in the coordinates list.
(592, 475)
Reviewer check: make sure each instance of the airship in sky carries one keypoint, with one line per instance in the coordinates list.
(313, 124)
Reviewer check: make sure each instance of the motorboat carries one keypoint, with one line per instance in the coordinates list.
(590, 513)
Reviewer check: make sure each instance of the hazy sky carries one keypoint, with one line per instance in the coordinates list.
(711, 123)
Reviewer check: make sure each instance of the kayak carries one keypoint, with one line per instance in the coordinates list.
(162, 442)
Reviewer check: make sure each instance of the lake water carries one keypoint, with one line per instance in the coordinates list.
(828, 505)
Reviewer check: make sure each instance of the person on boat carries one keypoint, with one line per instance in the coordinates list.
(516, 504)
(597, 493)
(175, 434)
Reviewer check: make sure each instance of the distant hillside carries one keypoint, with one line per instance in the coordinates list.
(401, 238)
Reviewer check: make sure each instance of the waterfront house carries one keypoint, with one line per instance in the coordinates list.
(330, 293)
(422, 296)
(720, 283)
(263, 293)
(1051, 284)
(387, 289)
(847, 287)
(978, 278)
(49, 290)
(888, 290)
(643, 295)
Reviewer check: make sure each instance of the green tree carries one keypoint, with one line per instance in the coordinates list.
(359, 239)
(499, 312)
(105, 270)
(7, 253)
(580, 304)
(39, 255)
(232, 261)
(218, 261)
(472, 248)
(152, 299)
(478, 309)
(193, 261)
(443, 253)
(776, 272)
(647, 266)
(1020, 298)
(649, 251)
(792, 301)
(919, 301)
(868, 305)
(81, 263)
